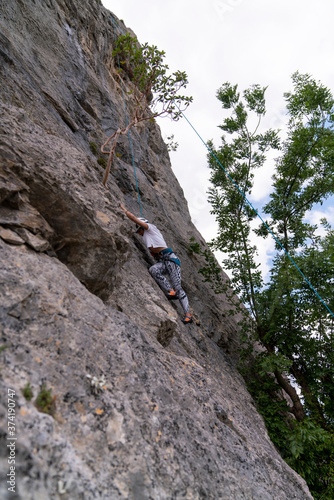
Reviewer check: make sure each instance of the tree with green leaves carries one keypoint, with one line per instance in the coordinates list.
(292, 378)
(154, 93)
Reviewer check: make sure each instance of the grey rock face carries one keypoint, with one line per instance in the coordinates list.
(142, 406)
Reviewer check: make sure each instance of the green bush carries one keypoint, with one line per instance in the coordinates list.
(27, 392)
(45, 402)
(102, 162)
(93, 148)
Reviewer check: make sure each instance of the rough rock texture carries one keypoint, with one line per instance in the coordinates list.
(169, 416)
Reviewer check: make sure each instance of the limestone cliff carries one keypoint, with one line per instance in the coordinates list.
(169, 416)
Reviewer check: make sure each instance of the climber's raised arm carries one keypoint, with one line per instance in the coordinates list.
(135, 219)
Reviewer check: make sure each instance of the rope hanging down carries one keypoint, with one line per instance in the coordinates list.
(249, 203)
(127, 123)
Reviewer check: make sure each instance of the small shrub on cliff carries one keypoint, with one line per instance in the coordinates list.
(211, 271)
(171, 144)
(102, 162)
(27, 392)
(45, 402)
(93, 148)
(153, 92)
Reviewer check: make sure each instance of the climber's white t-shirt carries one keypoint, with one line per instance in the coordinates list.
(153, 238)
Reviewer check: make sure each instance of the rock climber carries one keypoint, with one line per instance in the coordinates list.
(167, 263)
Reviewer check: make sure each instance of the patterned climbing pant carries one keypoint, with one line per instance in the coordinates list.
(173, 272)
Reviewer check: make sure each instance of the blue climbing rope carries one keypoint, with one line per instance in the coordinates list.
(127, 122)
(249, 203)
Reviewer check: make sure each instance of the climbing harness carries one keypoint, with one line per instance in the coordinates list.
(167, 254)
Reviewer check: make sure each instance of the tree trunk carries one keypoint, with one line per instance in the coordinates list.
(297, 408)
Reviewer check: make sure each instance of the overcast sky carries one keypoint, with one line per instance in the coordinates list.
(240, 41)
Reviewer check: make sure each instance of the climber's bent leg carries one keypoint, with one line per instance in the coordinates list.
(174, 274)
(156, 271)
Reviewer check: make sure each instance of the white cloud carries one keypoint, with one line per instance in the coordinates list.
(314, 217)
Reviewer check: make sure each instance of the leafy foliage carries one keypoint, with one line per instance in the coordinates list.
(312, 456)
(171, 144)
(27, 391)
(153, 91)
(211, 271)
(152, 84)
(292, 378)
(45, 402)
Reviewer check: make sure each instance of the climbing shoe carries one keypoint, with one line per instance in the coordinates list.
(171, 295)
(187, 319)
